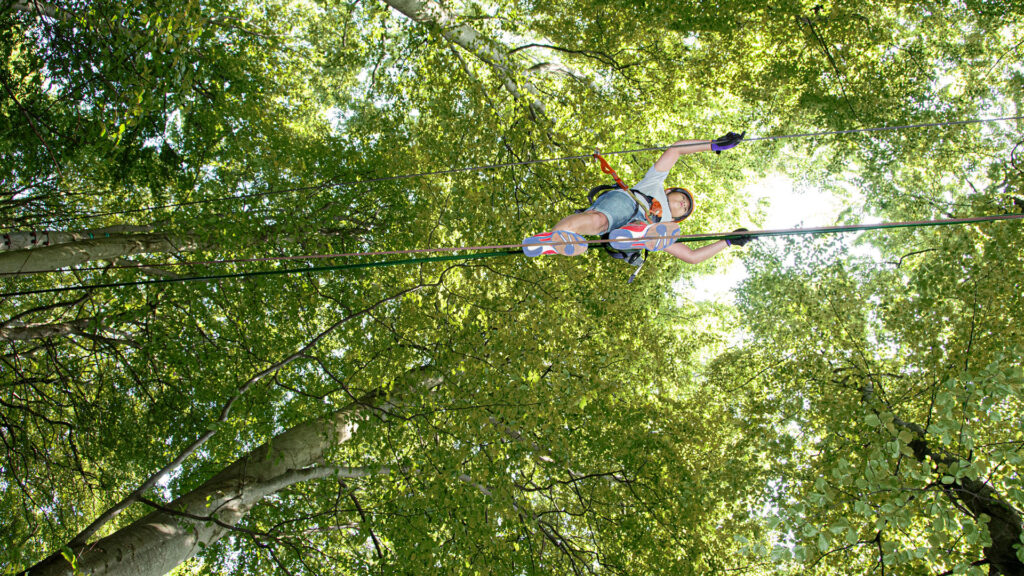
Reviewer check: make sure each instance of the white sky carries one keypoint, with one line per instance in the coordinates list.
(787, 208)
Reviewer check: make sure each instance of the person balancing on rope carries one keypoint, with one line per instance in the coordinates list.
(635, 218)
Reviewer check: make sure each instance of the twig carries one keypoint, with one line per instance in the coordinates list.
(32, 125)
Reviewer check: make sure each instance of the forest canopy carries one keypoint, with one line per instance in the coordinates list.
(856, 407)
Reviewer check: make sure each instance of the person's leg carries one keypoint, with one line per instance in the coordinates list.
(587, 223)
(566, 238)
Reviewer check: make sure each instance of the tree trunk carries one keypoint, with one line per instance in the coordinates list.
(35, 6)
(40, 331)
(27, 240)
(433, 14)
(1005, 526)
(156, 543)
(978, 497)
(54, 257)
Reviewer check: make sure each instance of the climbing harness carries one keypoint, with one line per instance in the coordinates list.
(607, 169)
(634, 258)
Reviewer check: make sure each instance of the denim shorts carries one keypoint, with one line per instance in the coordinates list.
(618, 207)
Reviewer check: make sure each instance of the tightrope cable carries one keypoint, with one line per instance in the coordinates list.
(257, 273)
(502, 250)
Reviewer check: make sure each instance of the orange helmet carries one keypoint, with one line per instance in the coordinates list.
(689, 197)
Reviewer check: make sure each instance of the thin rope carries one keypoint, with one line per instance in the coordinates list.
(685, 238)
(483, 167)
(509, 250)
(211, 277)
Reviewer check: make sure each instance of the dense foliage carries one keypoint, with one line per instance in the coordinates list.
(858, 409)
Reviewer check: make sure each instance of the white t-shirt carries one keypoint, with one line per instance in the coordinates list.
(653, 185)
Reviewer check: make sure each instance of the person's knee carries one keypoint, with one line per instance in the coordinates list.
(598, 221)
(590, 223)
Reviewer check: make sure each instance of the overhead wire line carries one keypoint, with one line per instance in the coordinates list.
(482, 167)
(516, 247)
(508, 250)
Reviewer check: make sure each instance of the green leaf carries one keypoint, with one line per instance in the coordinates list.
(781, 554)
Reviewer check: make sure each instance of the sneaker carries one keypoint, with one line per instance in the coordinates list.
(653, 237)
(541, 244)
(662, 235)
(629, 237)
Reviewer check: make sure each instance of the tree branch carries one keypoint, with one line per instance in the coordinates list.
(83, 537)
(433, 14)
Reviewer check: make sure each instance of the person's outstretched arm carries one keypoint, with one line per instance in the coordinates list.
(669, 157)
(698, 255)
(695, 255)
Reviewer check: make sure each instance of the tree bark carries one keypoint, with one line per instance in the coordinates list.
(155, 544)
(435, 15)
(77, 252)
(30, 239)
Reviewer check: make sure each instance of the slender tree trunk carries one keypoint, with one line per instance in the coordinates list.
(156, 543)
(433, 14)
(74, 253)
(35, 6)
(44, 251)
(30, 239)
(40, 331)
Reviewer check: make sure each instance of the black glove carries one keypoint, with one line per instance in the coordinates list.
(728, 141)
(740, 240)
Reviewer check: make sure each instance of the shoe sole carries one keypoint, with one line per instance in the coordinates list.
(541, 244)
(536, 245)
(668, 232)
(628, 238)
(575, 249)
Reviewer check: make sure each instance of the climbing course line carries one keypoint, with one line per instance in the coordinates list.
(494, 251)
(854, 227)
(483, 167)
(257, 273)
